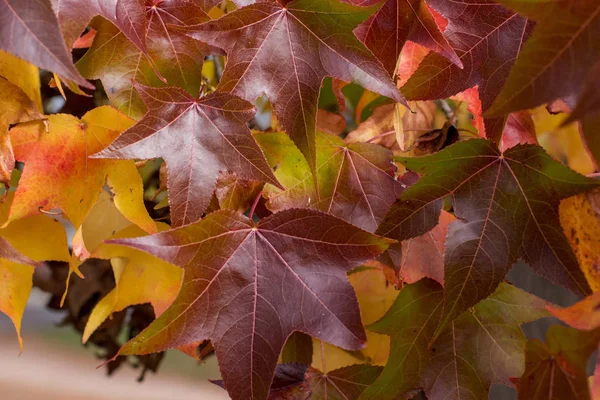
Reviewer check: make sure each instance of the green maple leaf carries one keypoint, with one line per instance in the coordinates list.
(507, 208)
(482, 346)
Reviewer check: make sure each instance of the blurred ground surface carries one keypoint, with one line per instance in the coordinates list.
(55, 366)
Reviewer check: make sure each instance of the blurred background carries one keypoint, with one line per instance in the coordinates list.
(55, 366)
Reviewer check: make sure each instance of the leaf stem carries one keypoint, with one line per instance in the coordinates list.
(380, 136)
(256, 200)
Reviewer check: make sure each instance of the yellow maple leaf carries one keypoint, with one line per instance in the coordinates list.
(580, 221)
(15, 107)
(22, 74)
(375, 297)
(140, 278)
(39, 238)
(59, 174)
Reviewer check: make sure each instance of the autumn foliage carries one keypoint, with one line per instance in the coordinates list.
(326, 195)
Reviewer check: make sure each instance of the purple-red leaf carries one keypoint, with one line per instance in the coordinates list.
(557, 59)
(29, 30)
(507, 207)
(557, 369)
(285, 52)
(116, 61)
(397, 21)
(248, 287)
(198, 139)
(487, 38)
(128, 15)
(356, 181)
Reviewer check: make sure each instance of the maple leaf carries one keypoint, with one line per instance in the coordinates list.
(487, 39)
(507, 207)
(140, 278)
(418, 308)
(356, 182)
(236, 194)
(286, 51)
(580, 221)
(589, 99)
(23, 244)
(410, 57)
(15, 107)
(546, 67)
(128, 15)
(8, 253)
(240, 277)
(198, 138)
(557, 369)
(587, 111)
(298, 349)
(375, 296)
(583, 315)
(58, 173)
(30, 31)
(116, 61)
(519, 129)
(22, 74)
(301, 382)
(385, 33)
(423, 256)
(482, 346)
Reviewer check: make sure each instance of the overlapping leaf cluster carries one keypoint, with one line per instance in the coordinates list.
(352, 206)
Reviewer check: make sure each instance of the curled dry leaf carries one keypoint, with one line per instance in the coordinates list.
(410, 124)
(377, 129)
